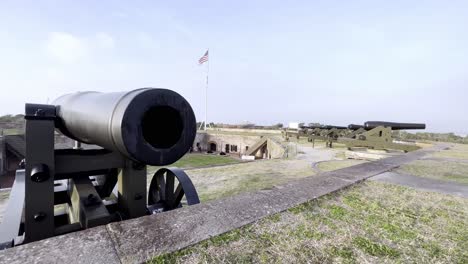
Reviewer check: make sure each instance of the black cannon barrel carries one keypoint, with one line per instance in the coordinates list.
(311, 127)
(395, 126)
(148, 125)
(315, 127)
(331, 127)
(355, 127)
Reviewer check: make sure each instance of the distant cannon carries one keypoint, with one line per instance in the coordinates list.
(334, 127)
(394, 126)
(378, 135)
(326, 133)
(97, 186)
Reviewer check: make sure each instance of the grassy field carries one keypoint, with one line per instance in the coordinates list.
(195, 160)
(458, 151)
(218, 182)
(440, 170)
(12, 131)
(369, 223)
(201, 160)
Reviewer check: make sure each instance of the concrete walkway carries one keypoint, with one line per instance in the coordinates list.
(315, 155)
(138, 240)
(422, 183)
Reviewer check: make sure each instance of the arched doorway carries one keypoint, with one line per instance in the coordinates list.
(213, 146)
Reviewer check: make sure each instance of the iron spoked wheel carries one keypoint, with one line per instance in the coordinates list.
(167, 189)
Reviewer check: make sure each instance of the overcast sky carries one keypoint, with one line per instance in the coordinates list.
(333, 62)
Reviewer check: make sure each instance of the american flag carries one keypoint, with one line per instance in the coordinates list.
(204, 58)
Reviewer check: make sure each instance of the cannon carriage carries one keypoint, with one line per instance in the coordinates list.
(378, 135)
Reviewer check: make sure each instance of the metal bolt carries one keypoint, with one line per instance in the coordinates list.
(39, 216)
(39, 173)
(90, 200)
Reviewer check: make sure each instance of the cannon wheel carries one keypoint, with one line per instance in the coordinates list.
(162, 196)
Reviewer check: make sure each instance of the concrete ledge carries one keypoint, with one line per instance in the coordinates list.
(138, 240)
(88, 246)
(369, 155)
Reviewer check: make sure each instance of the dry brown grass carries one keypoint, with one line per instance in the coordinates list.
(217, 182)
(457, 151)
(440, 170)
(369, 223)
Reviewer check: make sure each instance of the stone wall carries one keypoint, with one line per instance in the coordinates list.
(237, 143)
(276, 150)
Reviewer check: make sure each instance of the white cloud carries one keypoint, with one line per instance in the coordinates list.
(66, 47)
(105, 40)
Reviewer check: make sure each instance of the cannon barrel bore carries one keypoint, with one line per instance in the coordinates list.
(395, 126)
(148, 125)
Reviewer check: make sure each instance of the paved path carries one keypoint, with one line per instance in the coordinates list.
(315, 155)
(138, 240)
(422, 183)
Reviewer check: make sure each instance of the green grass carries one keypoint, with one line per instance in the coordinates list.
(195, 160)
(217, 182)
(371, 222)
(439, 170)
(12, 131)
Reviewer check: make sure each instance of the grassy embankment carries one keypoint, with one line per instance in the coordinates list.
(449, 170)
(371, 222)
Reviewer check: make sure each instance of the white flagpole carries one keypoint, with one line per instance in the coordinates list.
(206, 88)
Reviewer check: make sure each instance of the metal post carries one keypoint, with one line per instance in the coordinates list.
(206, 88)
(132, 189)
(39, 181)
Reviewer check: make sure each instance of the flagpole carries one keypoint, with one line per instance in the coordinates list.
(206, 88)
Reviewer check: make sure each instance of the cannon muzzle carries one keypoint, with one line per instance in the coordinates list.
(151, 126)
(395, 126)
